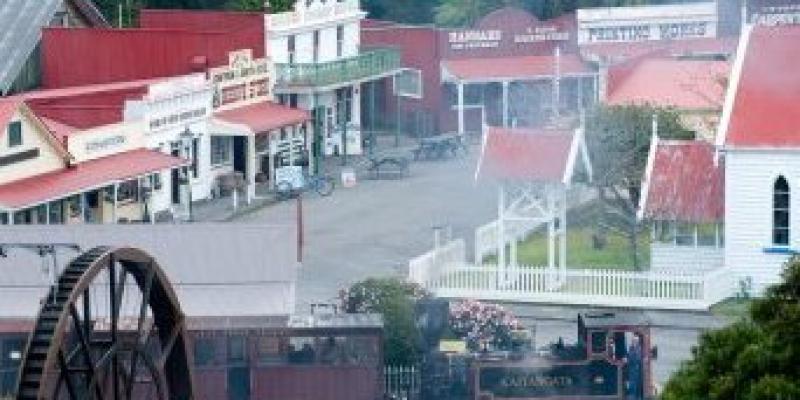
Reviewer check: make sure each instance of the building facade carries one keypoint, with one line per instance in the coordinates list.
(321, 66)
(52, 173)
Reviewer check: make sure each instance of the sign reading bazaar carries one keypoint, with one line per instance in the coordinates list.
(507, 32)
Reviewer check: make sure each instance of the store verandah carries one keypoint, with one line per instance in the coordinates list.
(112, 189)
(249, 143)
(523, 91)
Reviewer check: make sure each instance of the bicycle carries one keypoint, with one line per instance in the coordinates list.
(323, 185)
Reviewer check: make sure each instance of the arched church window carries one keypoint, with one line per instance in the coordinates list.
(780, 212)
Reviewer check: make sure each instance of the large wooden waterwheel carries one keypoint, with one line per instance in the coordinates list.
(110, 328)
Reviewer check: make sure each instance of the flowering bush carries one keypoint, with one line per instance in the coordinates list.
(485, 324)
(394, 299)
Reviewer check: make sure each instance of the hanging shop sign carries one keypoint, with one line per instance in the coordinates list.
(244, 79)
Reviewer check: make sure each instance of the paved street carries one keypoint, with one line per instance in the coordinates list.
(375, 228)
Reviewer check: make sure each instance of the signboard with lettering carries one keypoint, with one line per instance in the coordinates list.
(774, 12)
(595, 378)
(641, 23)
(173, 104)
(506, 32)
(244, 79)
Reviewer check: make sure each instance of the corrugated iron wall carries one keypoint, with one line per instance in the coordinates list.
(74, 57)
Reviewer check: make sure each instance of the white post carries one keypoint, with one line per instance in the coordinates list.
(460, 108)
(83, 207)
(557, 83)
(114, 204)
(47, 213)
(250, 179)
(562, 241)
(10, 217)
(551, 228)
(501, 237)
(505, 103)
(513, 245)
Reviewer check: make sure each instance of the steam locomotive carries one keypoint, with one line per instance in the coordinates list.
(611, 359)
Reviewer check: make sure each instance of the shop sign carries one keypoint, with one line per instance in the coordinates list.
(243, 79)
(291, 174)
(104, 144)
(777, 15)
(641, 32)
(474, 39)
(539, 34)
(178, 118)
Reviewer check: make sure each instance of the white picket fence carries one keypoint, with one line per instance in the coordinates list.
(610, 288)
(429, 265)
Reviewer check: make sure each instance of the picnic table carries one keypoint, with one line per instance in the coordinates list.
(387, 166)
(440, 147)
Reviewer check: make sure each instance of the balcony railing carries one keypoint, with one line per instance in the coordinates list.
(369, 63)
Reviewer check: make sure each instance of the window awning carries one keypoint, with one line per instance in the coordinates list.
(85, 176)
(260, 118)
(514, 68)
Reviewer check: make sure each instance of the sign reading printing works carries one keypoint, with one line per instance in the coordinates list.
(244, 79)
(642, 23)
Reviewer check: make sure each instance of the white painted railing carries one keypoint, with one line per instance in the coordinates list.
(428, 267)
(613, 288)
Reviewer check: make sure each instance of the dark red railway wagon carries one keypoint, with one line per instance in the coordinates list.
(319, 357)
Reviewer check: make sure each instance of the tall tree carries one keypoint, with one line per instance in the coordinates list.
(754, 359)
(618, 140)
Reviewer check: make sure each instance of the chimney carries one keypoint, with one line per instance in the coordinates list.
(267, 7)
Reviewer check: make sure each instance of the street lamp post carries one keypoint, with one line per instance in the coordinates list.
(187, 137)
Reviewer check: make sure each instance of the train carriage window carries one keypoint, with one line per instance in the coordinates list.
(203, 351)
(598, 339)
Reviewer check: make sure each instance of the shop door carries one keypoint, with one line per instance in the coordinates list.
(240, 154)
(176, 181)
(238, 383)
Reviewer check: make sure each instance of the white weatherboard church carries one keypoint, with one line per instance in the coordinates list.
(759, 141)
(735, 204)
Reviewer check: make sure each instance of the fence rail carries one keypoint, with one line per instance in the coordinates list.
(666, 290)
(402, 382)
(428, 266)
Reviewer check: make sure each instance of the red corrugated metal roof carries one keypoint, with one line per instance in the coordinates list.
(75, 57)
(525, 154)
(684, 183)
(685, 84)
(84, 176)
(766, 109)
(199, 20)
(18, 326)
(264, 116)
(515, 67)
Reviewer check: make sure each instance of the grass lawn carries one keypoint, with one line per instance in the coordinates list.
(580, 253)
(733, 308)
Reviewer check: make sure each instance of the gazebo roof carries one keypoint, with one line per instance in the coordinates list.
(541, 155)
